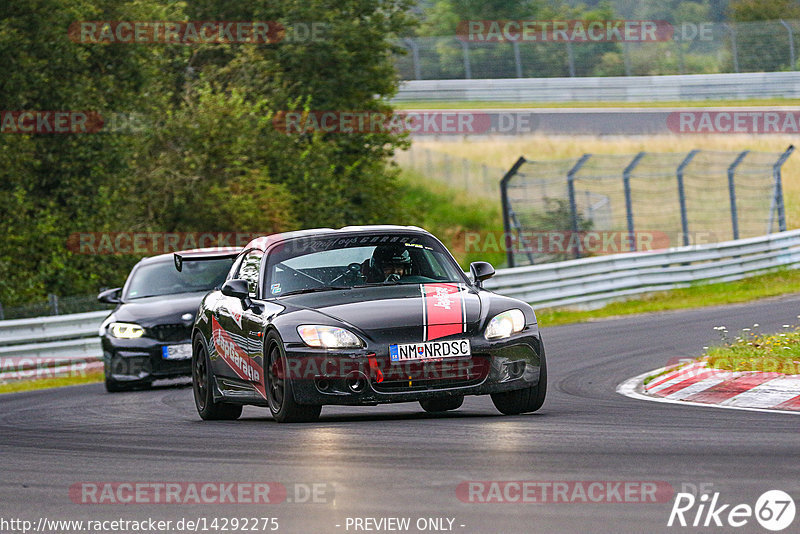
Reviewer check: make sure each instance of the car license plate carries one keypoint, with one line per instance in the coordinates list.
(177, 352)
(430, 350)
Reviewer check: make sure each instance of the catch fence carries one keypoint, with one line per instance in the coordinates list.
(601, 204)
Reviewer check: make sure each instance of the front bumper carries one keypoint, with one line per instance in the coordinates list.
(350, 378)
(141, 360)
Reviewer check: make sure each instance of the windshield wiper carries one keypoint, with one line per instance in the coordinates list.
(313, 290)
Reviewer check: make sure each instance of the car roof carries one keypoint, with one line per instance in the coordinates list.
(205, 252)
(263, 243)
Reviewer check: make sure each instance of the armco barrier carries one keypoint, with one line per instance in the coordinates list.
(607, 89)
(596, 280)
(584, 282)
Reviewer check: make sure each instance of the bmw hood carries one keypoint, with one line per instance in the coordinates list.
(165, 309)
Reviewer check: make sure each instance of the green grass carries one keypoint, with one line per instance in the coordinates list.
(451, 215)
(55, 382)
(422, 104)
(751, 351)
(771, 284)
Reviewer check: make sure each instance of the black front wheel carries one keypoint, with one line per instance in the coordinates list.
(202, 382)
(523, 400)
(280, 396)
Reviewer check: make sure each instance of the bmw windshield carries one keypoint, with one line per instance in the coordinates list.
(344, 262)
(161, 278)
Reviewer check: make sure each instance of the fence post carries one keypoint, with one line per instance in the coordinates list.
(467, 66)
(791, 42)
(682, 195)
(734, 48)
(626, 58)
(53, 299)
(506, 205)
(517, 58)
(732, 192)
(2, 314)
(573, 207)
(571, 59)
(414, 57)
(626, 182)
(778, 199)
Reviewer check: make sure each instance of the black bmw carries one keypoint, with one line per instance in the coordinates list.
(148, 335)
(360, 316)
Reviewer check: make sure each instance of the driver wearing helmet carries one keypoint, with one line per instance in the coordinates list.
(389, 262)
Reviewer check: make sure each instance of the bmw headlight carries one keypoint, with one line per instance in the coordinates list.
(329, 337)
(504, 324)
(125, 330)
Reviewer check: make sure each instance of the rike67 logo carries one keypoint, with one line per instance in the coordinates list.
(774, 510)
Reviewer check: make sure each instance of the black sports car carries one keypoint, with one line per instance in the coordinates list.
(148, 335)
(360, 316)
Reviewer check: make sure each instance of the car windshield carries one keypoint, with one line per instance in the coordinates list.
(346, 262)
(161, 278)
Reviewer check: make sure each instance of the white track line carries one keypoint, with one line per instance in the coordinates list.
(633, 388)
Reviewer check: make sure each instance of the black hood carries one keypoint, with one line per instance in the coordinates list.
(373, 309)
(164, 309)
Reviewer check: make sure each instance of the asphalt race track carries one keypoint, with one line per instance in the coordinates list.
(397, 461)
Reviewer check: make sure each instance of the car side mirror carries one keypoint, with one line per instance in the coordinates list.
(110, 296)
(236, 288)
(480, 271)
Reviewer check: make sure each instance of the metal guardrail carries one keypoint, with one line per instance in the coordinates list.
(43, 346)
(69, 339)
(607, 89)
(591, 282)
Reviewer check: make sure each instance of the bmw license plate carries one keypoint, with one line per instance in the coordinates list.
(177, 352)
(430, 350)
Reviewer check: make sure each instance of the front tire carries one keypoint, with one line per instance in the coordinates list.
(280, 395)
(523, 400)
(441, 405)
(202, 381)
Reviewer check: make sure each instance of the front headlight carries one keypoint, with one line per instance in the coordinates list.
(329, 337)
(125, 330)
(504, 324)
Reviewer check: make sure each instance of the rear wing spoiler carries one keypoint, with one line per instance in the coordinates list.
(203, 255)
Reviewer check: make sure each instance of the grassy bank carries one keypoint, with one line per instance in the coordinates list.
(451, 215)
(17, 386)
(752, 351)
(765, 285)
